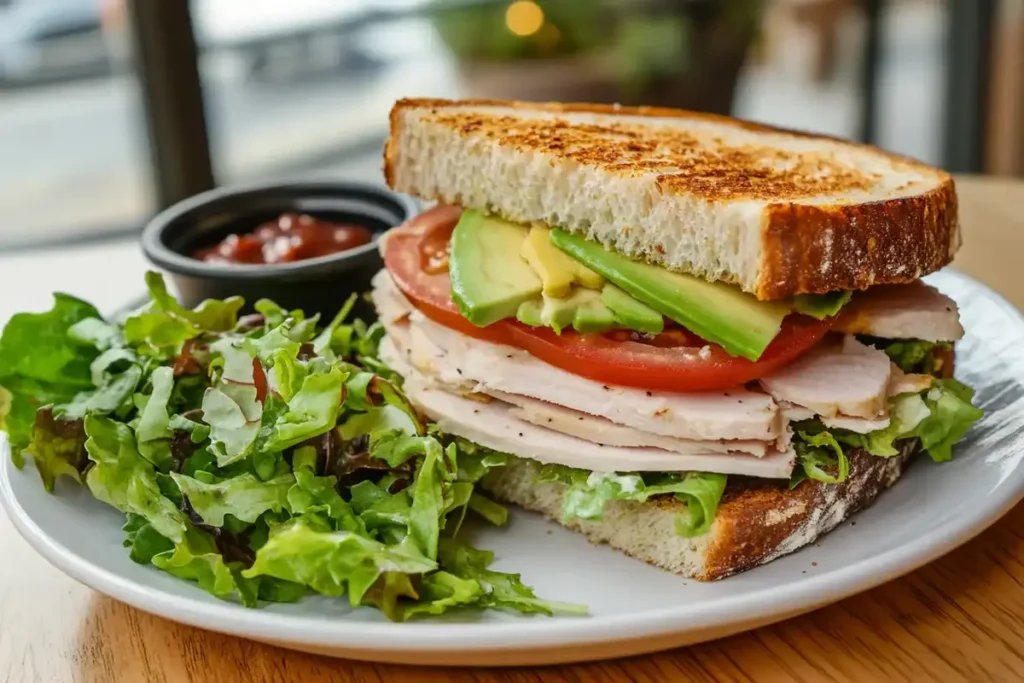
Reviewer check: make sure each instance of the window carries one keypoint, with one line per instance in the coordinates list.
(305, 86)
(72, 162)
(300, 87)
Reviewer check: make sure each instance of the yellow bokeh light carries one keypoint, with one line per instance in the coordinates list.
(524, 17)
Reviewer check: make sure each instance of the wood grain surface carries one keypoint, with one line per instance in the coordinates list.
(960, 618)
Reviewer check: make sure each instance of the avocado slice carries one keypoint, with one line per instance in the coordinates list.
(582, 305)
(556, 269)
(489, 278)
(593, 317)
(717, 312)
(529, 313)
(631, 313)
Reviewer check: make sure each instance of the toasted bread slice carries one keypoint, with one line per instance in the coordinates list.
(758, 520)
(776, 212)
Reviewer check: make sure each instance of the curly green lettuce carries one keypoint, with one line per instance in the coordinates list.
(260, 458)
(587, 493)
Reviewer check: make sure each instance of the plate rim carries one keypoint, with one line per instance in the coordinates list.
(536, 633)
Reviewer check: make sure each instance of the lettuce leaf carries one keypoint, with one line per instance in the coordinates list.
(501, 590)
(441, 592)
(37, 345)
(940, 417)
(275, 346)
(312, 411)
(476, 462)
(332, 562)
(428, 504)
(121, 477)
(821, 306)
(112, 395)
(233, 414)
(495, 513)
(951, 416)
(159, 334)
(387, 591)
(319, 495)
(273, 314)
(820, 452)
(915, 355)
(906, 412)
(196, 558)
(322, 342)
(375, 422)
(366, 391)
(211, 315)
(57, 447)
(154, 422)
(395, 447)
(245, 497)
(587, 493)
(40, 365)
(144, 541)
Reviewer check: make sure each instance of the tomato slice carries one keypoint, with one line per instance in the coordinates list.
(678, 361)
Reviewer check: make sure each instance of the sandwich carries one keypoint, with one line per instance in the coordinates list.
(702, 341)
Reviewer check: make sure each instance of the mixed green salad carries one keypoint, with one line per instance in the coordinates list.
(262, 456)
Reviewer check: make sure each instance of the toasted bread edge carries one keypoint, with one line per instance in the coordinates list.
(758, 520)
(814, 249)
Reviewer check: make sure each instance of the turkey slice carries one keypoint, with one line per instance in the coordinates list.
(606, 432)
(911, 311)
(835, 378)
(462, 361)
(581, 425)
(492, 425)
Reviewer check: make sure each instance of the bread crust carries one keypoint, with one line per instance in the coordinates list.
(758, 520)
(805, 248)
(892, 242)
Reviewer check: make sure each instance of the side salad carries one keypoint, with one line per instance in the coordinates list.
(262, 457)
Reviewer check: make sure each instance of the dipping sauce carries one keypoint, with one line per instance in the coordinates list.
(291, 237)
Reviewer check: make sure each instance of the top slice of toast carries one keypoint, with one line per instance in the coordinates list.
(776, 212)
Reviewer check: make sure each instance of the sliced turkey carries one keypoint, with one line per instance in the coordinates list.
(393, 357)
(795, 413)
(837, 377)
(567, 421)
(461, 360)
(606, 432)
(855, 424)
(391, 304)
(492, 425)
(902, 383)
(912, 311)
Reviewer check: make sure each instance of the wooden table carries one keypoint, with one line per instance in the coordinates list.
(958, 619)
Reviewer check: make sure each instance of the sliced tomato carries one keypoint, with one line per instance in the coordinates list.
(677, 361)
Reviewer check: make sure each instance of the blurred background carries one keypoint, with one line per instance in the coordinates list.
(111, 109)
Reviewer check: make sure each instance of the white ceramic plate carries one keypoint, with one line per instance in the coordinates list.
(634, 608)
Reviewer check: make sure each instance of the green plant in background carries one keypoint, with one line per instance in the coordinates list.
(482, 33)
(649, 47)
(643, 41)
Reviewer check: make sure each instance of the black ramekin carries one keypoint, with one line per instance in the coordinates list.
(318, 285)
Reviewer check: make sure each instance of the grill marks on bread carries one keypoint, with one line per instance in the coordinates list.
(698, 163)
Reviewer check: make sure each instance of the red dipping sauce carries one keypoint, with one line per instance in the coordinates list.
(292, 237)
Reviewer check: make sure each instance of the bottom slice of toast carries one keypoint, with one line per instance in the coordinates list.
(758, 520)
